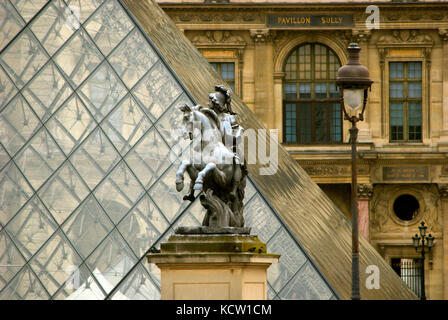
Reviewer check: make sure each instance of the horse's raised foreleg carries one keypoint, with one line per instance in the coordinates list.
(218, 175)
(180, 174)
(193, 173)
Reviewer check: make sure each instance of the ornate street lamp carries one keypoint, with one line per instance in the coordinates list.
(429, 243)
(354, 81)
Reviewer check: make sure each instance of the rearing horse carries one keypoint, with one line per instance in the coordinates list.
(212, 170)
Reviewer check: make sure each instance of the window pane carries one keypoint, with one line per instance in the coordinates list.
(334, 92)
(415, 120)
(396, 70)
(214, 65)
(396, 121)
(290, 121)
(321, 122)
(228, 70)
(414, 70)
(336, 122)
(305, 122)
(414, 90)
(321, 90)
(333, 65)
(320, 66)
(305, 91)
(396, 89)
(305, 62)
(291, 66)
(290, 91)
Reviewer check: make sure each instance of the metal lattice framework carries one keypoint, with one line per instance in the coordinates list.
(88, 158)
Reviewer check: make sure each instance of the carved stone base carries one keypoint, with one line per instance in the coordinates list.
(206, 266)
(212, 230)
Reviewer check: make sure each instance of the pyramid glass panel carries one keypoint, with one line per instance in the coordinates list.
(24, 286)
(156, 91)
(11, 23)
(306, 285)
(14, 192)
(23, 58)
(78, 57)
(111, 261)
(80, 285)
(52, 36)
(28, 8)
(87, 226)
(4, 157)
(108, 26)
(138, 286)
(55, 263)
(82, 9)
(94, 158)
(71, 124)
(7, 88)
(31, 227)
(132, 58)
(89, 147)
(11, 261)
(47, 91)
(63, 192)
(18, 123)
(119, 192)
(144, 224)
(126, 124)
(150, 158)
(102, 91)
(39, 158)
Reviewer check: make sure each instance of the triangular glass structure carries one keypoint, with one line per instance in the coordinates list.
(87, 110)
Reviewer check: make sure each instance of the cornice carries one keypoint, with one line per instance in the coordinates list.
(424, 17)
(316, 6)
(371, 162)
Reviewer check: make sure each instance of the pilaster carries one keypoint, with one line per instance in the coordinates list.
(365, 192)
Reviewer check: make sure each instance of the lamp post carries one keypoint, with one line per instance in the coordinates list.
(354, 81)
(417, 244)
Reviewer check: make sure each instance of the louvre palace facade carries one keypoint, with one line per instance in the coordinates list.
(281, 58)
(90, 92)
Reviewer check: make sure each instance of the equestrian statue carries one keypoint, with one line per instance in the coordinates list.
(216, 166)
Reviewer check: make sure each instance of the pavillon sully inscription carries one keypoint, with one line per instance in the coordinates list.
(309, 20)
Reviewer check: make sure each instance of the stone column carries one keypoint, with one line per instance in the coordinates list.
(278, 103)
(444, 134)
(263, 69)
(443, 190)
(365, 192)
(362, 37)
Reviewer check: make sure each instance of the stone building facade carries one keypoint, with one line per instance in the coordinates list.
(281, 59)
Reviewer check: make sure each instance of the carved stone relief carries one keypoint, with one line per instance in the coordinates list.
(218, 37)
(405, 38)
(383, 218)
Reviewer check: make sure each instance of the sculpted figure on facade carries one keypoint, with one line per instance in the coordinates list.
(216, 165)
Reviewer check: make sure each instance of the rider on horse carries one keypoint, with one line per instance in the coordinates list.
(231, 131)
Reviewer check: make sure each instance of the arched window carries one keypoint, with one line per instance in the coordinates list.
(311, 109)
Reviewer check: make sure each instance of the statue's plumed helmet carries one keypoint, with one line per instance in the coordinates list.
(225, 92)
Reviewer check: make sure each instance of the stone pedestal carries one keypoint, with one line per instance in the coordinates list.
(213, 267)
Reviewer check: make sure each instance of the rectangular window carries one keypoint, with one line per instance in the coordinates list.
(405, 101)
(227, 71)
(410, 271)
(291, 122)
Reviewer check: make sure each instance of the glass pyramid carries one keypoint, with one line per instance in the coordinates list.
(87, 160)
